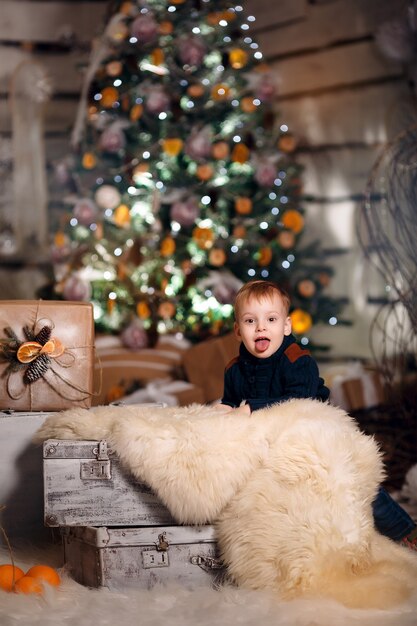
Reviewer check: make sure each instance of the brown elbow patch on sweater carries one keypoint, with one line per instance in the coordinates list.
(294, 352)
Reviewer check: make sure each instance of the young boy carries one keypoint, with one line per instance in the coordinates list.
(272, 367)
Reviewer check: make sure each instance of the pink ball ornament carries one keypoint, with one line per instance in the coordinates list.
(112, 139)
(198, 145)
(85, 211)
(185, 212)
(60, 254)
(134, 336)
(266, 173)
(77, 289)
(225, 292)
(145, 29)
(62, 172)
(157, 100)
(192, 50)
(107, 197)
(266, 89)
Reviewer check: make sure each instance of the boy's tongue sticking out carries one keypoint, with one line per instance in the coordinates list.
(262, 344)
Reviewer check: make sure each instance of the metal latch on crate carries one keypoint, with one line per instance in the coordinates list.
(99, 468)
(158, 557)
(207, 562)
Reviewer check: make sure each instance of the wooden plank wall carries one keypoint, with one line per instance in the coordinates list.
(337, 92)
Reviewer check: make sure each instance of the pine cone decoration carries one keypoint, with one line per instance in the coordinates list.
(37, 369)
(44, 335)
(29, 334)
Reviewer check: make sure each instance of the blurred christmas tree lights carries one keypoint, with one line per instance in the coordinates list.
(183, 184)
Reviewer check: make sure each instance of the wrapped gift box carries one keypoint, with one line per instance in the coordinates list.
(169, 392)
(46, 355)
(354, 386)
(205, 362)
(118, 370)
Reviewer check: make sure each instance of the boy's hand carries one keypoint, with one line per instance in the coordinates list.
(243, 409)
(223, 407)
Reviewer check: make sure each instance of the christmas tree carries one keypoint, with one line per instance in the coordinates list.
(184, 183)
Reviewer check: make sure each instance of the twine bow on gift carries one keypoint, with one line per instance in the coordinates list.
(35, 357)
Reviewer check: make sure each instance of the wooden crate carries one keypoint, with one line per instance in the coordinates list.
(121, 558)
(85, 485)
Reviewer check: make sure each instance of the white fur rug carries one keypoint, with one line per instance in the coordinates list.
(75, 605)
(306, 461)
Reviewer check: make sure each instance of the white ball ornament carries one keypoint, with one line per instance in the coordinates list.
(107, 197)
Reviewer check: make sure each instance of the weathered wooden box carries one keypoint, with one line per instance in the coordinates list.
(121, 558)
(85, 485)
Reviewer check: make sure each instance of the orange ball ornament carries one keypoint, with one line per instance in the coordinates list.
(136, 112)
(214, 18)
(157, 56)
(89, 161)
(238, 58)
(243, 205)
(9, 575)
(195, 91)
(45, 573)
(306, 288)
(172, 146)
(204, 172)
(114, 68)
(240, 153)
(264, 256)
(109, 96)
(239, 232)
(203, 237)
(293, 220)
(60, 239)
(166, 310)
(286, 239)
(166, 28)
(220, 150)
(217, 257)
(287, 143)
(220, 92)
(142, 310)
(121, 215)
(301, 321)
(167, 246)
(247, 105)
(28, 585)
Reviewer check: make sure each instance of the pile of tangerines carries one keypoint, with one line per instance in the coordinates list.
(13, 578)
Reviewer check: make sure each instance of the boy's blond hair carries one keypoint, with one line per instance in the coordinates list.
(260, 289)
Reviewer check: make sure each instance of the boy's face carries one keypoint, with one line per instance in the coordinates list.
(262, 325)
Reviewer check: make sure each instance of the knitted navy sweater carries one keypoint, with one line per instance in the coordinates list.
(290, 372)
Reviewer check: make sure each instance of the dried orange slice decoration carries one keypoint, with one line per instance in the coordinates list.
(53, 348)
(28, 351)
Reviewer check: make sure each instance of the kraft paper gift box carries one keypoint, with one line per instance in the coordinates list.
(365, 392)
(46, 355)
(204, 364)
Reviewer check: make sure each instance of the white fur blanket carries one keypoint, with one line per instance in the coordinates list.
(289, 489)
